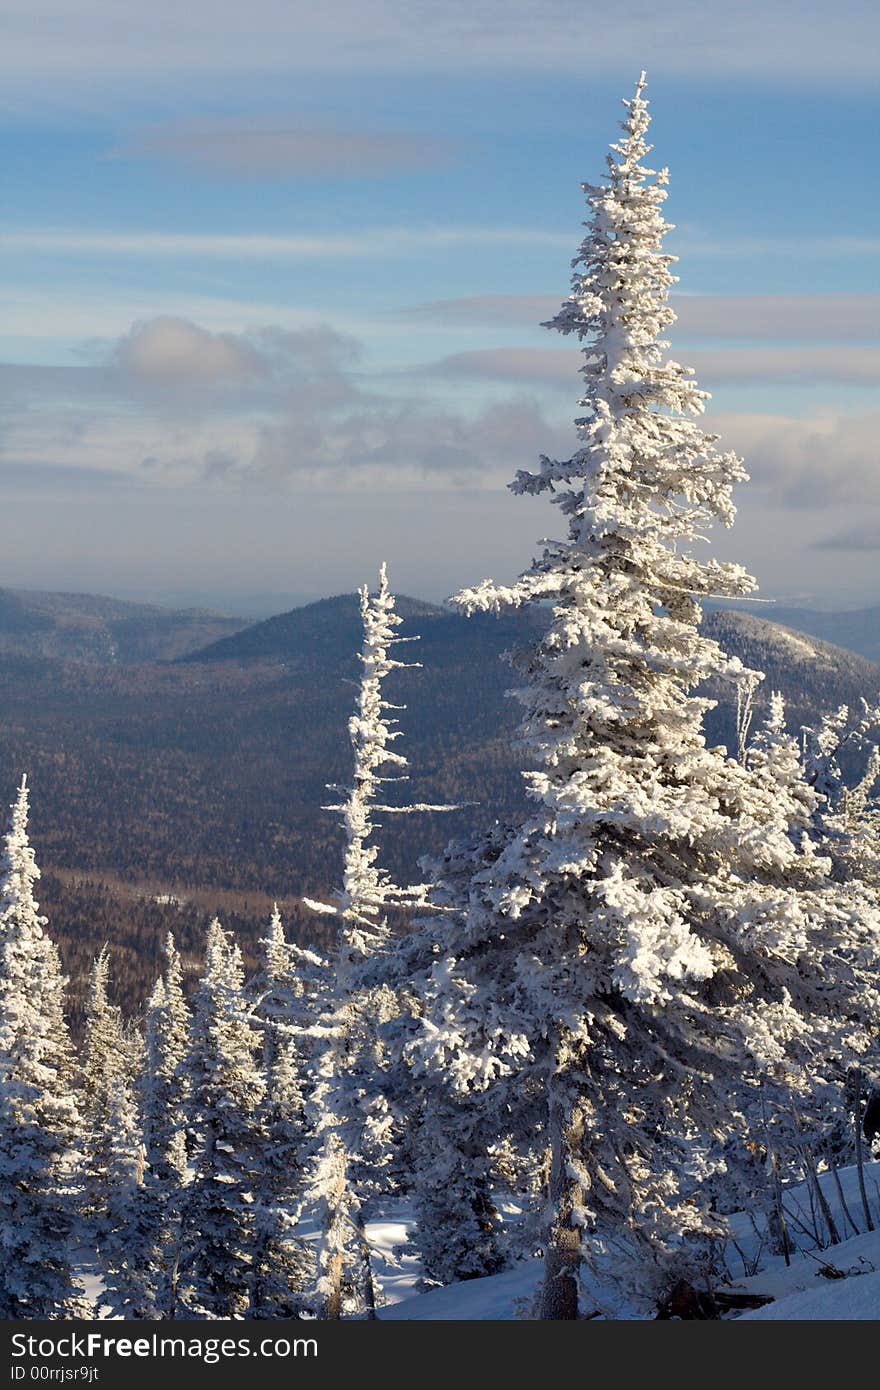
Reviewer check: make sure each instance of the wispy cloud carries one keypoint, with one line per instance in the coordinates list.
(174, 403)
(535, 366)
(801, 318)
(859, 539)
(788, 39)
(104, 312)
(843, 366)
(375, 242)
(849, 366)
(278, 148)
(369, 243)
(798, 248)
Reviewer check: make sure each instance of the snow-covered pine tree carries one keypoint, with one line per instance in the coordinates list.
(349, 1113)
(131, 1228)
(106, 1065)
(162, 1096)
(444, 1141)
(842, 762)
(457, 1231)
(289, 989)
(39, 1118)
(164, 1081)
(226, 1089)
(841, 766)
(639, 944)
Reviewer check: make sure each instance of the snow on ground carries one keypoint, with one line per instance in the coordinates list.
(395, 1272)
(838, 1283)
(841, 1282)
(499, 1298)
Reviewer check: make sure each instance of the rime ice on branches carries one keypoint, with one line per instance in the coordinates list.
(649, 940)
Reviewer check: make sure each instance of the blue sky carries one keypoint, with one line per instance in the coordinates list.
(271, 281)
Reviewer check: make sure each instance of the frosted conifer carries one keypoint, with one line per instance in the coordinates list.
(39, 1119)
(131, 1227)
(350, 1115)
(226, 1089)
(164, 1081)
(842, 760)
(632, 950)
(289, 988)
(106, 1067)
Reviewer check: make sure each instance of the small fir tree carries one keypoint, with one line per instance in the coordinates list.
(226, 1089)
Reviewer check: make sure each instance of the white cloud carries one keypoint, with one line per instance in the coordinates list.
(174, 351)
(797, 247)
(828, 459)
(280, 408)
(800, 318)
(380, 443)
(174, 403)
(846, 366)
(537, 366)
(56, 312)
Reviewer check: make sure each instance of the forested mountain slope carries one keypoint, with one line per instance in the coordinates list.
(204, 779)
(105, 631)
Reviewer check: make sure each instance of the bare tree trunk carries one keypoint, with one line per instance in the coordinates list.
(559, 1297)
(842, 1199)
(821, 1199)
(333, 1299)
(780, 1240)
(815, 1185)
(777, 1226)
(172, 1288)
(860, 1160)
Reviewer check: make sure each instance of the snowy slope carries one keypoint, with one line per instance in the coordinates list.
(839, 1283)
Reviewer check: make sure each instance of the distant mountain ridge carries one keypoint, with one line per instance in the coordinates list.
(105, 631)
(321, 627)
(812, 673)
(858, 630)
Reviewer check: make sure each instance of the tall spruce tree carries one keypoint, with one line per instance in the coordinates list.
(639, 946)
(39, 1118)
